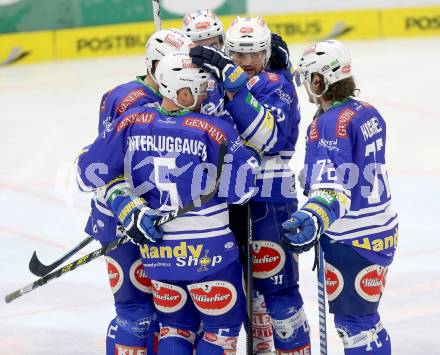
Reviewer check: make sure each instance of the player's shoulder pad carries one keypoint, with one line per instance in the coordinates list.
(118, 90)
(268, 82)
(344, 118)
(312, 130)
(332, 124)
(347, 118)
(255, 81)
(127, 94)
(369, 121)
(262, 79)
(135, 116)
(214, 127)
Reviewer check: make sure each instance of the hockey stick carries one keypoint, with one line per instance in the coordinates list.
(39, 269)
(340, 28)
(15, 55)
(203, 199)
(156, 14)
(321, 301)
(249, 283)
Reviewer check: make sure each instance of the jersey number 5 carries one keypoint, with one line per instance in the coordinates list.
(169, 197)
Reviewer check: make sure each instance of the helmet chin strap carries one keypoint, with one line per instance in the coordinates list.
(266, 59)
(151, 75)
(314, 95)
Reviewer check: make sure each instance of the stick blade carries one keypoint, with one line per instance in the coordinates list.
(38, 268)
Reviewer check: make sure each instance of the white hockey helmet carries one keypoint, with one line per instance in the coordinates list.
(203, 24)
(248, 35)
(163, 42)
(329, 58)
(176, 71)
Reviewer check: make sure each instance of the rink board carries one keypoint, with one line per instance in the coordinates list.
(126, 39)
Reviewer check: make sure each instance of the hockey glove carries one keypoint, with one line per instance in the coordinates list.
(303, 231)
(137, 219)
(306, 225)
(279, 58)
(221, 66)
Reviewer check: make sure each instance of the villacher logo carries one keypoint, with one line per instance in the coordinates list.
(213, 297)
(168, 298)
(138, 277)
(268, 259)
(115, 274)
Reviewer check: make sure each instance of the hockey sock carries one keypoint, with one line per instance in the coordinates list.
(175, 341)
(261, 327)
(362, 335)
(219, 342)
(290, 327)
(121, 341)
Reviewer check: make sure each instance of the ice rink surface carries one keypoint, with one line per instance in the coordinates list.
(49, 111)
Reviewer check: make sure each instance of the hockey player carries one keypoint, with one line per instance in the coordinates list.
(349, 208)
(204, 28)
(265, 111)
(130, 330)
(143, 90)
(194, 269)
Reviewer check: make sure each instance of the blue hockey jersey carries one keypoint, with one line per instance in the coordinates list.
(117, 101)
(214, 104)
(168, 161)
(345, 169)
(101, 223)
(267, 116)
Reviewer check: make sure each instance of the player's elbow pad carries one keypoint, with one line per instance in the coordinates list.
(81, 182)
